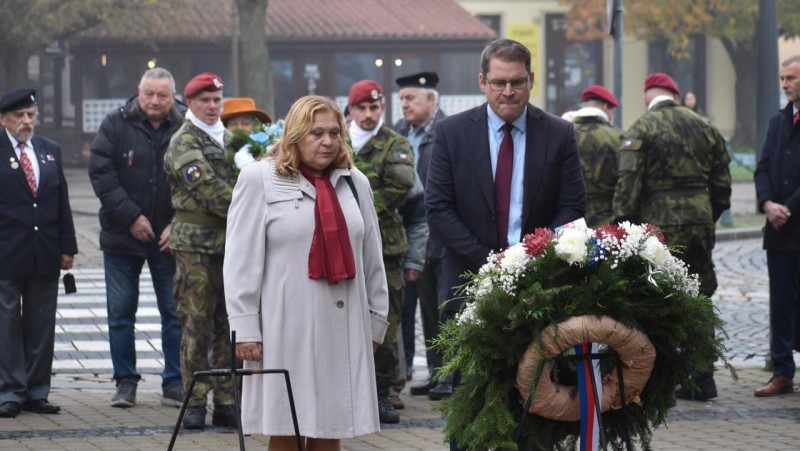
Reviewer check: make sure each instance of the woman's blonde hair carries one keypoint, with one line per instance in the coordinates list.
(299, 122)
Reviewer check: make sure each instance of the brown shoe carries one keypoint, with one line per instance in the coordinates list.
(397, 403)
(777, 385)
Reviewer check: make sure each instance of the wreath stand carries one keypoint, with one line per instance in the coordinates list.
(233, 372)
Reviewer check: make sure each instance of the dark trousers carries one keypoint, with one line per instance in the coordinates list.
(426, 289)
(27, 333)
(784, 307)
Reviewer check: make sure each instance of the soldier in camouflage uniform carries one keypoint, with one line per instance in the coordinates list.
(387, 159)
(598, 144)
(202, 186)
(673, 172)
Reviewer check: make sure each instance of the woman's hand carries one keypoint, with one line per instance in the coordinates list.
(249, 351)
(375, 345)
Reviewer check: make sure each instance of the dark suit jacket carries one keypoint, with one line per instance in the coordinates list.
(459, 194)
(34, 232)
(777, 179)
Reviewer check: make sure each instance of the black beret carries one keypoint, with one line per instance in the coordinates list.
(17, 100)
(420, 80)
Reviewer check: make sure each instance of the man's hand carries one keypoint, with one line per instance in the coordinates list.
(777, 214)
(142, 230)
(66, 261)
(163, 242)
(249, 351)
(412, 275)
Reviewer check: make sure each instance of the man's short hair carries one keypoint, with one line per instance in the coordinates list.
(791, 60)
(158, 73)
(506, 50)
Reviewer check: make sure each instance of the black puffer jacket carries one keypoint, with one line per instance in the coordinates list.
(126, 169)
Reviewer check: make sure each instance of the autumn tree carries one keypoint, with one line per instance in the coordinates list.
(255, 54)
(733, 22)
(27, 27)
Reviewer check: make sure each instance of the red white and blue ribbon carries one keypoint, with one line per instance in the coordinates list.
(588, 369)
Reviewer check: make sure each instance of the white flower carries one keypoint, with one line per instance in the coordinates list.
(469, 315)
(242, 157)
(655, 252)
(515, 258)
(571, 246)
(484, 287)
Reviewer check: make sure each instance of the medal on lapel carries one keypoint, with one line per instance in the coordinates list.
(14, 164)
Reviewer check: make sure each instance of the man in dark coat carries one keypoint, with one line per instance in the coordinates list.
(38, 240)
(127, 173)
(777, 180)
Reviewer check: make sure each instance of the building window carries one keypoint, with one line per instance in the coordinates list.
(688, 71)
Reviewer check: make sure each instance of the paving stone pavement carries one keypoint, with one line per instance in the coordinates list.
(82, 384)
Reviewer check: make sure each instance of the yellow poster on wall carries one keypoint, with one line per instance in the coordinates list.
(528, 35)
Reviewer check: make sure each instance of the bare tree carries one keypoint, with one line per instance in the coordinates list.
(254, 53)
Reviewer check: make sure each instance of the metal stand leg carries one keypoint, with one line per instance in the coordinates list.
(234, 372)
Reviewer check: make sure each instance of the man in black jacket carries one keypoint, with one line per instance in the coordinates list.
(778, 194)
(127, 173)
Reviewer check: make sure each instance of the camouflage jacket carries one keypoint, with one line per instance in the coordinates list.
(388, 161)
(673, 169)
(202, 187)
(598, 144)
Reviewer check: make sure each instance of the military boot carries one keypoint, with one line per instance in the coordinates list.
(386, 412)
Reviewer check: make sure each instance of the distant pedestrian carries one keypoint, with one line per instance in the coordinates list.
(202, 184)
(777, 179)
(673, 173)
(306, 290)
(598, 144)
(38, 241)
(126, 168)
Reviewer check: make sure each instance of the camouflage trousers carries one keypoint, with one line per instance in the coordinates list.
(387, 359)
(693, 245)
(206, 342)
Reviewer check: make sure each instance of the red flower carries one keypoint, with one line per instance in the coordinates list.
(536, 243)
(611, 231)
(653, 229)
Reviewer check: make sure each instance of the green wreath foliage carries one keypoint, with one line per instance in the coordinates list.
(486, 342)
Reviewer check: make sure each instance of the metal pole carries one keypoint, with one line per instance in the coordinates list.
(234, 49)
(618, 34)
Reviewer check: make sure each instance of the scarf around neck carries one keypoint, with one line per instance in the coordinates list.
(331, 256)
(216, 131)
(359, 136)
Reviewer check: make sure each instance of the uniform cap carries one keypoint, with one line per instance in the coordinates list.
(661, 80)
(18, 99)
(597, 92)
(202, 82)
(420, 80)
(364, 91)
(235, 106)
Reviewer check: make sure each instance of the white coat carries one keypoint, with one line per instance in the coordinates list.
(321, 333)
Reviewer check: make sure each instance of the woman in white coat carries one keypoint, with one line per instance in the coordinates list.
(304, 284)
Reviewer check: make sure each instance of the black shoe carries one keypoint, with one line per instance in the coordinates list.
(224, 416)
(706, 390)
(422, 389)
(440, 391)
(126, 393)
(386, 411)
(195, 417)
(40, 406)
(10, 409)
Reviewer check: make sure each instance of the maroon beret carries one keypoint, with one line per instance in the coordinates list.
(661, 80)
(202, 82)
(364, 91)
(597, 92)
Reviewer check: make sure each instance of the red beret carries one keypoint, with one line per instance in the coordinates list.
(661, 80)
(597, 92)
(202, 82)
(364, 91)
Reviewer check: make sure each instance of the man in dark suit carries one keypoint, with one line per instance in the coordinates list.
(500, 170)
(38, 240)
(778, 194)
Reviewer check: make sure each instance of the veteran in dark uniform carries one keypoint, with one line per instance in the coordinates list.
(37, 240)
(673, 172)
(202, 186)
(420, 105)
(598, 144)
(387, 159)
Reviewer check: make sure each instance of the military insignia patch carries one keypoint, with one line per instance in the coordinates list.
(194, 174)
(403, 157)
(631, 144)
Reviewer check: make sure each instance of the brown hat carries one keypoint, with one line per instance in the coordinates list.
(600, 93)
(661, 80)
(202, 82)
(235, 106)
(364, 91)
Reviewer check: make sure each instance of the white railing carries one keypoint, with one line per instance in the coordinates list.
(95, 110)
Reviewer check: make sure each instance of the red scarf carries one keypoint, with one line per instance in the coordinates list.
(331, 256)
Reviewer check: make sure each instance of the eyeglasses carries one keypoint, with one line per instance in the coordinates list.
(516, 84)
